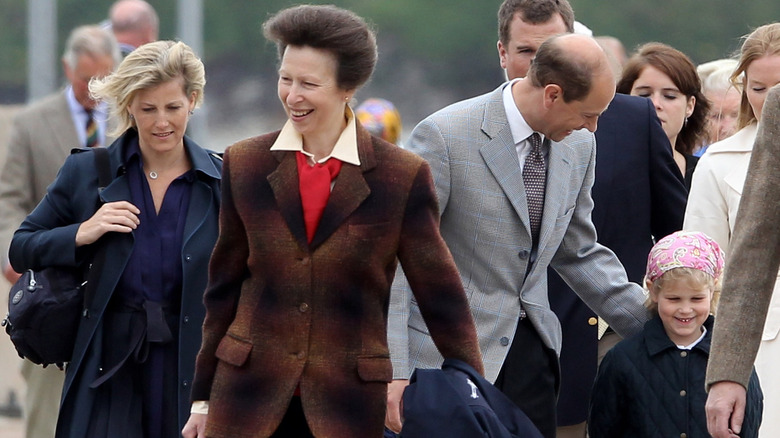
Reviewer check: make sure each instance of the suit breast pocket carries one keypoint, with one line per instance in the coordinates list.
(368, 231)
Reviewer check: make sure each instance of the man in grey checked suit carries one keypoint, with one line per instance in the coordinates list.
(475, 149)
(42, 136)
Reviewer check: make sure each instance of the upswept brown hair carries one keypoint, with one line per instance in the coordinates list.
(764, 41)
(681, 70)
(534, 12)
(339, 31)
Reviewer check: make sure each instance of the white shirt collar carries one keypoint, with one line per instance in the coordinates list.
(79, 116)
(690, 347)
(517, 124)
(345, 149)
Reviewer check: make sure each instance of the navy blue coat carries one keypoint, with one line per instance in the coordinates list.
(647, 387)
(47, 237)
(456, 401)
(638, 193)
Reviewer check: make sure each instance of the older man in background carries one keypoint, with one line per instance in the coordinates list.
(42, 136)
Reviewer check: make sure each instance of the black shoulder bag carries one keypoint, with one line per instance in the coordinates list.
(45, 306)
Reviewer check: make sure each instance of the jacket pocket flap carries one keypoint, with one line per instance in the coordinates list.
(233, 350)
(375, 369)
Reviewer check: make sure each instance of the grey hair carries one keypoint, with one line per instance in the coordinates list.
(90, 40)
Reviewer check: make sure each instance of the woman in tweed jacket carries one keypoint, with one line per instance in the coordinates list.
(295, 336)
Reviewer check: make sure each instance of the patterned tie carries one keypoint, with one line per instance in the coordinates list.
(534, 178)
(92, 134)
(314, 185)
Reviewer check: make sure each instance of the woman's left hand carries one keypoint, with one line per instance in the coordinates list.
(195, 427)
(120, 216)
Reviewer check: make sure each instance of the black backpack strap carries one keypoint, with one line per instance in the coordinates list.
(103, 167)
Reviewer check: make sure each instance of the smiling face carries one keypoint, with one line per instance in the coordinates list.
(524, 40)
(671, 105)
(682, 308)
(310, 94)
(161, 114)
(761, 75)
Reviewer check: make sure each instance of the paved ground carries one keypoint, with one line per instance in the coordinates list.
(10, 380)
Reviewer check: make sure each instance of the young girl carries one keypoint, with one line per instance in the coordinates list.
(652, 385)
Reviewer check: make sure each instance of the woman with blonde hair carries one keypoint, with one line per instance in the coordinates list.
(133, 360)
(717, 188)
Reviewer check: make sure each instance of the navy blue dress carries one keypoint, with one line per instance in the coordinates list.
(141, 337)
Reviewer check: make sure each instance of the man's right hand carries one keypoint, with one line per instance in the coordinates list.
(10, 274)
(395, 392)
(725, 409)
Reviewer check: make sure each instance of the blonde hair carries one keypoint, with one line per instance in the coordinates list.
(764, 41)
(694, 278)
(147, 67)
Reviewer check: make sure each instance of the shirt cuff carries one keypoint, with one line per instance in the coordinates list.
(200, 407)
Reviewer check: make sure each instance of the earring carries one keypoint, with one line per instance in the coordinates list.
(132, 117)
(192, 112)
(346, 98)
(685, 123)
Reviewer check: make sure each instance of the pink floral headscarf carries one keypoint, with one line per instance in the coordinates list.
(685, 249)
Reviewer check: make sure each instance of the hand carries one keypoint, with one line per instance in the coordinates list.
(10, 274)
(120, 216)
(195, 427)
(395, 392)
(725, 409)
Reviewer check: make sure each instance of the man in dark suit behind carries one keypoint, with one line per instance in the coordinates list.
(637, 195)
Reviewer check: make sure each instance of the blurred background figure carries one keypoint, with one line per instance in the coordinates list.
(134, 23)
(717, 190)
(616, 53)
(724, 99)
(668, 77)
(381, 118)
(41, 137)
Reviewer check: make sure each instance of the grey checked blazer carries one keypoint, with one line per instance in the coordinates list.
(484, 220)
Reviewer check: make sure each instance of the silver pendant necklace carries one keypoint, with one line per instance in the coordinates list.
(153, 175)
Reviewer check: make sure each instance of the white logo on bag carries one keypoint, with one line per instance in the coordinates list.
(473, 388)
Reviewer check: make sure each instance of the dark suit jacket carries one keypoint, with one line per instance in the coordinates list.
(638, 193)
(48, 238)
(283, 312)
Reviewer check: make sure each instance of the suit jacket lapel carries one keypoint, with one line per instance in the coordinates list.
(500, 155)
(60, 121)
(350, 190)
(284, 183)
(558, 174)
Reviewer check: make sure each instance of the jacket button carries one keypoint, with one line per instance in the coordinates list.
(504, 341)
(305, 261)
(524, 254)
(593, 320)
(187, 258)
(683, 435)
(683, 393)
(303, 307)
(300, 355)
(683, 354)
(185, 383)
(186, 319)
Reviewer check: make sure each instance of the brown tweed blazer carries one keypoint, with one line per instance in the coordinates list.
(751, 269)
(281, 311)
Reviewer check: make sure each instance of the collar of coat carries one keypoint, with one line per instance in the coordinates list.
(657, 341)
